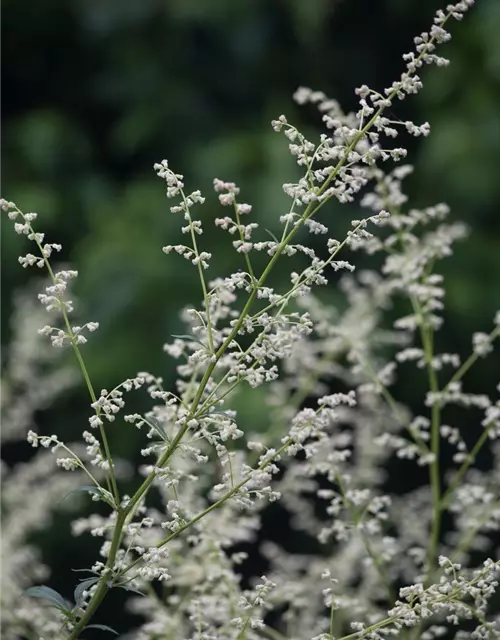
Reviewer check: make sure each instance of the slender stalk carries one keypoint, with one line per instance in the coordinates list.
(427, 338)
(248, 262)
(111, 477)
(465, 466)
(104, 583)
(357, 519)
(391, 401)
(471, 360)
(469, 536)
(273, 634)
(206, 298)
(332, 619)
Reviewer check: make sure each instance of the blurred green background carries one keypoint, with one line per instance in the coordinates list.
(96, 91)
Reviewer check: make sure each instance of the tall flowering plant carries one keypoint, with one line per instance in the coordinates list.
(385, 566)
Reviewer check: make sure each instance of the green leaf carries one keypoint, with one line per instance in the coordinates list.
(158, 427)
(188, 338)
(51, 595)
(218, 412)
(102, 627)
(272, 236)
(83, 586)
(90, 488)
(128, 587)
(84, 571)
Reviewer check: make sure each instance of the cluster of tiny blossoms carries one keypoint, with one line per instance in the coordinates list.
(32, 378)
(334, 425)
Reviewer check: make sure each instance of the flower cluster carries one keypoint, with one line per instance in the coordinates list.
(381, 563)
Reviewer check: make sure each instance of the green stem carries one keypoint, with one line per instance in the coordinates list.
(105, 582)
(212, 507)
(273, 634)
(83, 368)
(201, 275)
(357, 519)
(248, 262)
(390, 400)
(465, 466)
(468, 537)
(427, 337)
(471, 360)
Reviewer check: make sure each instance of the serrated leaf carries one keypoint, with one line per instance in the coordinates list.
(51, 595)
(188, 338)
(102, 627)
(83, 586)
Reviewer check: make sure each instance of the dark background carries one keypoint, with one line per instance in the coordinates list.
(96, 91)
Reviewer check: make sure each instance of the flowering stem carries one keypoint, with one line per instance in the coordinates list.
(427, 337)
(104, 583)
(242, 238)
(93, 397)
(469, 536)
(471, 360)
(111, 477)
(199, 265)
(389, 398)
(465, 466)
(102, 587)
(213, 506)
(309, 211)
(357, 519)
